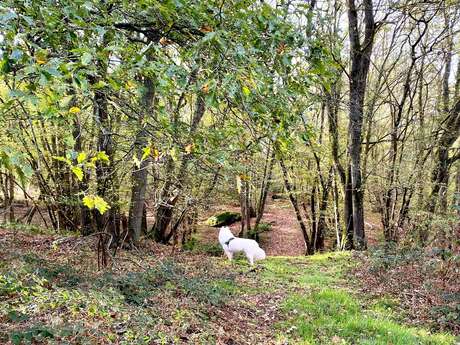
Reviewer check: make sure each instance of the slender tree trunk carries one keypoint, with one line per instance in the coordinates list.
(295, 205)
(242, 232)
(10, 204)
(264, 190)
(247, 206)
(140, 173)
(345, 176)
(323, 205)
(456, 201)
(165, 211)
(107, 184)
(348, 212)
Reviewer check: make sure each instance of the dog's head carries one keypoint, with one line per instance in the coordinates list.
(225, 230)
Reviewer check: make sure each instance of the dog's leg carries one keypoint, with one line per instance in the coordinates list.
(251, 259)
(229, 255)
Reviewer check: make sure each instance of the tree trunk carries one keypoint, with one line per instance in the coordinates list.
(295, 205)
(360, 62)
(265, 188)
(456, 201)
(107, 185)
(440, 176)
(10, 203)
(165, 212)
(139, 174)
(321, 227)
(348, 212)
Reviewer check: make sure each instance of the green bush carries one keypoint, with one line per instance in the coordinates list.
(262, 227)
(426, 228)
(390, 256)
(31, 335)
(211, 249)
(224, 218)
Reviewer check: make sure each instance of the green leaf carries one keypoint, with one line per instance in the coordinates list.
(246, 91)
(86, 59)
(78, 172)
(99, 85)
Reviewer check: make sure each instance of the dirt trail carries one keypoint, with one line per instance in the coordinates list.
(285, 239)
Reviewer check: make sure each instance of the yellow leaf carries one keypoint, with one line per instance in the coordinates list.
(88, 201)
(173, 154)
(40, 57)
(130, 84)
(78, 172)
(189, 148)
(81, 157)
(205, 88)
(244, 177)
(74, 110)
(100, 204)
(156, 153)
(246, 91)
(146, 153)
(95, 201)
(238, 184)
(102, 156)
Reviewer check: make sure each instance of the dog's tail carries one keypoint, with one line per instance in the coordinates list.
(259, 254)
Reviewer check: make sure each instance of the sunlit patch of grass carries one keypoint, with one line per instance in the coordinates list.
(331, 316)
(326, 313)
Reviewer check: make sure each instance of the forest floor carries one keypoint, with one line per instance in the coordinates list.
(285, 237)
(52, 292)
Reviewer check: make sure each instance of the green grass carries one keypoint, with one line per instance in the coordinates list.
(326, 311)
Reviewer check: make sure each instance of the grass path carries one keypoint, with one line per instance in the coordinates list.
(322, 308)
(50, 292)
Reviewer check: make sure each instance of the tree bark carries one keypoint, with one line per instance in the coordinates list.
(450, 132)
(140, 173)
(360, 62)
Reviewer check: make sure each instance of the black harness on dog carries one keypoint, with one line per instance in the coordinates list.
(229, 240)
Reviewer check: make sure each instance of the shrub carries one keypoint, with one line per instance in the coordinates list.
(211, 249)
(224, 218)
(426, 228)
(31, 335)
(262, 227)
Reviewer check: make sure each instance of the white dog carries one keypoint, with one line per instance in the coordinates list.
(232, 244)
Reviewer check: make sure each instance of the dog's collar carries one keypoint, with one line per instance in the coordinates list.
(229, 240)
